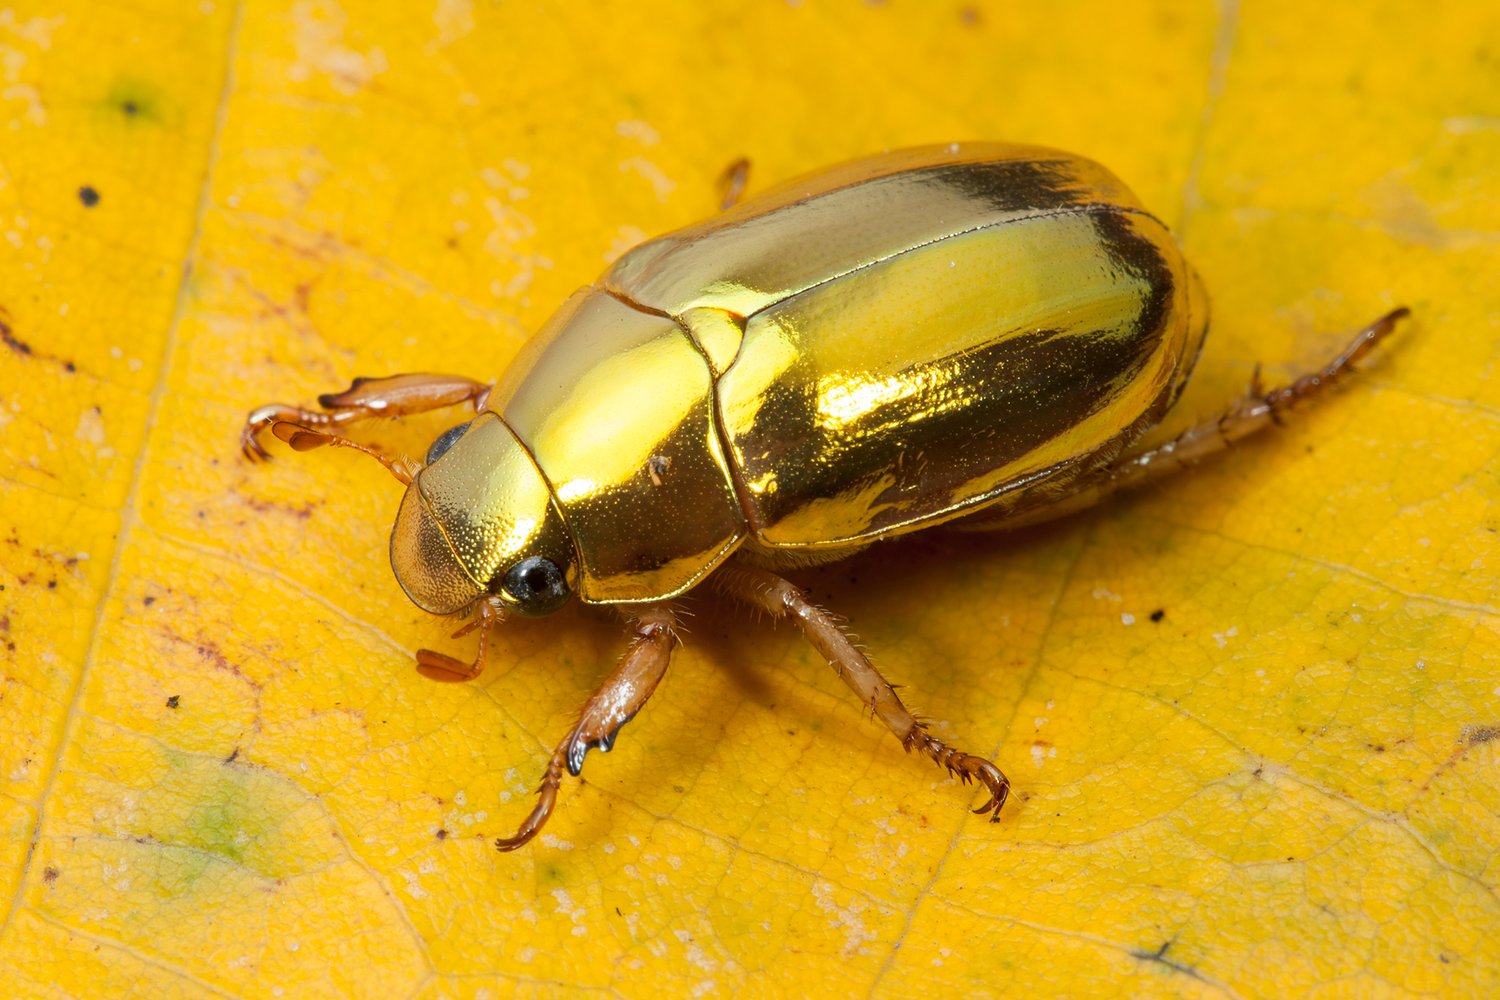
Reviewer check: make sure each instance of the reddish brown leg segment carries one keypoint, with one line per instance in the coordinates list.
(782, 599)
(365, 399)
(621, 695)
(442, 667)
(1256, 411)
(732, 183)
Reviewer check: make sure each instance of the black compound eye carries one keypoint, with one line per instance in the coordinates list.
(445, 441)
(538, 586)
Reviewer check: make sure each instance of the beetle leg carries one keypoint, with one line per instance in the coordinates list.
(365, 399)
(782, 599)
(732, 183)
(442, 667)
(1257, 410)
(618, 699)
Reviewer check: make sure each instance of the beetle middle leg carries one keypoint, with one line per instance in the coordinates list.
(732, 183)
(782, 599)
(615, 703)
(365, 399)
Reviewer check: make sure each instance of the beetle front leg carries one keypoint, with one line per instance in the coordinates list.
(365, 399)
(782, 599)
(615, 703)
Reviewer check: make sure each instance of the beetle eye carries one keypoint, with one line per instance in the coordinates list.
(445, 441)
(537, 585)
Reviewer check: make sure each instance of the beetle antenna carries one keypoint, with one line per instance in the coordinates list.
(306, 439)
(442, 667)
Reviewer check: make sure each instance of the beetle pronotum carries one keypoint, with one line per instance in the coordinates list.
(971, 333)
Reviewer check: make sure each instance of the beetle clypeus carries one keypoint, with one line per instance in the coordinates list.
(969, 333)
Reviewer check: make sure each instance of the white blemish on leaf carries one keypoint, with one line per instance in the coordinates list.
(90, 431)
(849, 919)
(567, 907)
(639, 131)
(661, 184)
(318, 37)
(454, 20)
(17, 35)
(510, 230)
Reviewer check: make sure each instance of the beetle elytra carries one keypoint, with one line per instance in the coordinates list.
(974, 335)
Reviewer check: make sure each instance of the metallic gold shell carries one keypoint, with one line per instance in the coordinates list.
(863, 352)
(470, 516)
(616, 406)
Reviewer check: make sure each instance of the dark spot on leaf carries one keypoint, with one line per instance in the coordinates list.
(88, 195)
(174, 701)
(50, 874)
(441, 834)
(148, 600)
(233, 756)
(1159, 957)
(8, 337)
(1158, 614)
(134, 100)
(1474, 735)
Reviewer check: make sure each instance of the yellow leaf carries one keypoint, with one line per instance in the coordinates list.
(1251, 714)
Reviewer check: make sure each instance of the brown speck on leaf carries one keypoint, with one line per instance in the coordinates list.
(50, 874)
(233, 756)
(1475, 735)
(175, 701)
(88, 195)
(8, 336)
(441, 834)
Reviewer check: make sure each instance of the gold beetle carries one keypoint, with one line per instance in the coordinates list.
(973, 333)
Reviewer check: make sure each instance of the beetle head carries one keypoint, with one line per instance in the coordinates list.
(479, 518)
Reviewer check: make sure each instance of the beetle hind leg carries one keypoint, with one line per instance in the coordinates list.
(1258, 409)
(618, 699)
(781, 599)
